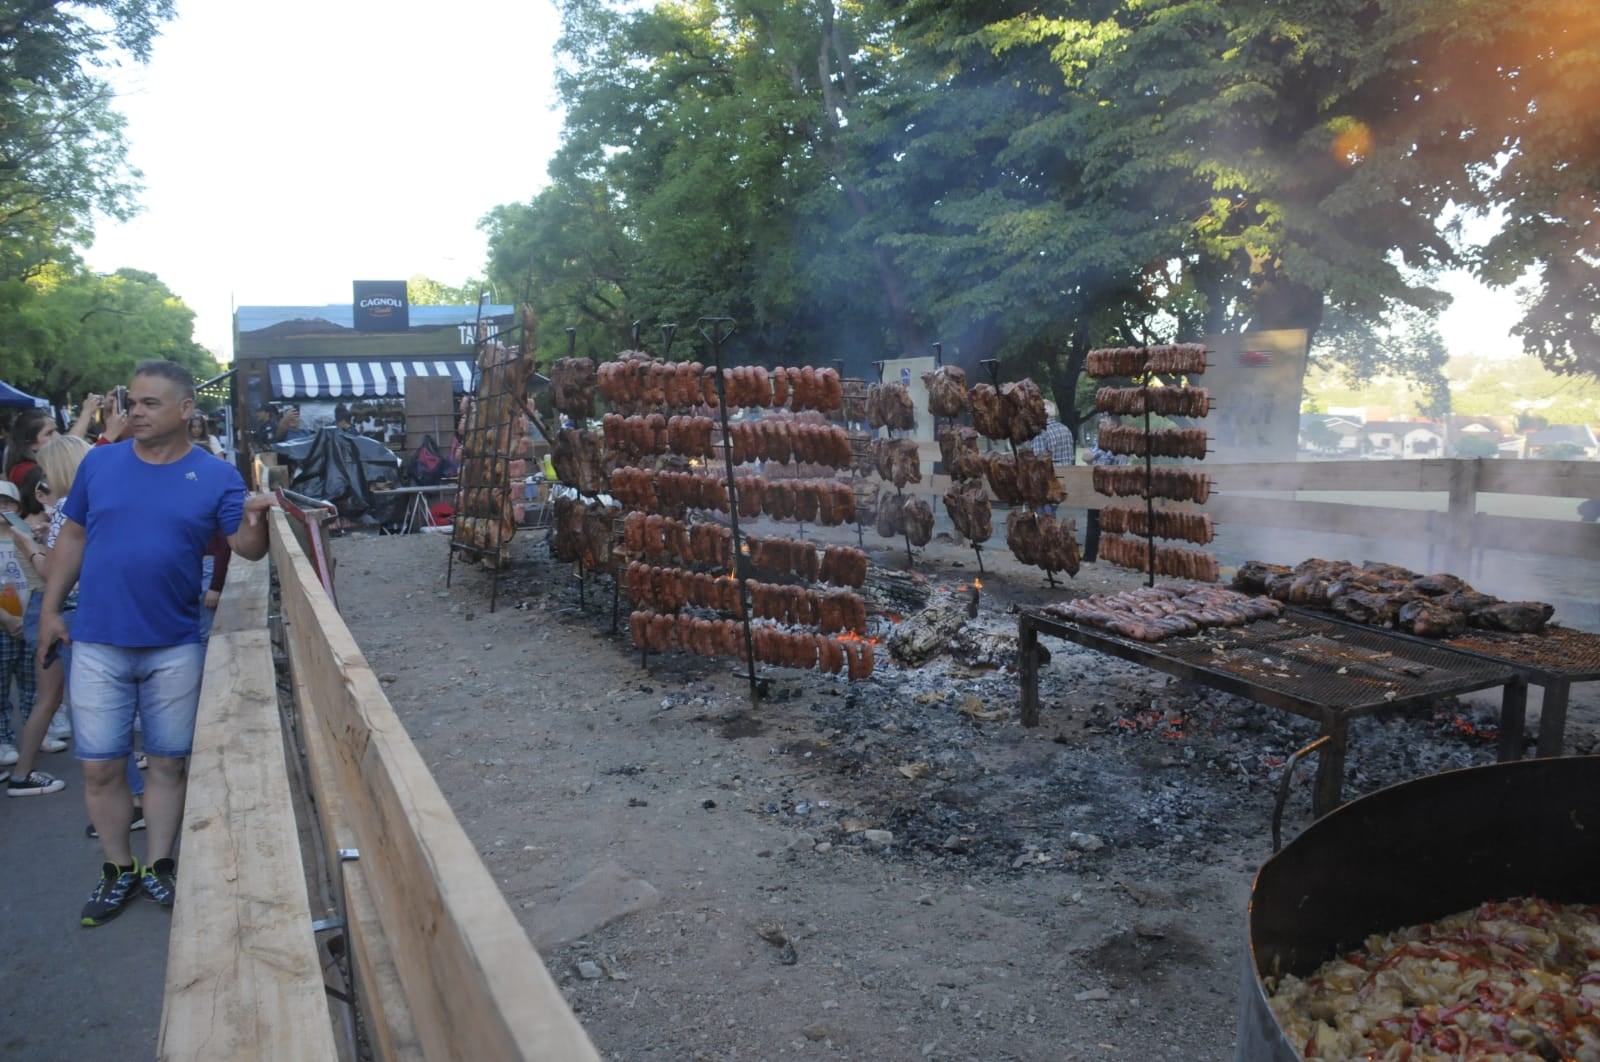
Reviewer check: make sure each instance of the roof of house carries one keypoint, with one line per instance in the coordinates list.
(1556, 434)
(1401, 427)
(342, 315)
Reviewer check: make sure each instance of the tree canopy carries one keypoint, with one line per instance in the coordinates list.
(63, 161)
(1024, 181)
(73, 331)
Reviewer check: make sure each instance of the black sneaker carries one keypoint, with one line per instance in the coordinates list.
(111, 894)
(160, 881)
(37, 783)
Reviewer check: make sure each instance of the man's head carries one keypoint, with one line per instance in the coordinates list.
(160, 402)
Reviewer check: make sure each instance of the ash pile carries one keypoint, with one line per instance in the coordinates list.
(930, 755)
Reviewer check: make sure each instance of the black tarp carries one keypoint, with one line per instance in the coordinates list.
(342, 467)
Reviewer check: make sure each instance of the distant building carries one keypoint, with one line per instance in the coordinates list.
(1324, 433)
(1404, 438)
(1574, 442)
(1498, 432)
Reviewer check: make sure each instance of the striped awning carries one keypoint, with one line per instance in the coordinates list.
(366, 377)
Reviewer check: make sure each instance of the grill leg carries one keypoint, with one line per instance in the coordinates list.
(1330, 770)
(1553, 717)
(1028, 652)
(1513, 719)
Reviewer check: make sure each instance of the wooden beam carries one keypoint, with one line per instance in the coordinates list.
(1330, 517)
(1414, 476)
(1551, 479)
(379, 995)
(243, 976)
(1559, 538)
(244, 598)
(475, 986)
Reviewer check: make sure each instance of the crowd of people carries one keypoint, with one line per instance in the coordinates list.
(121, 552)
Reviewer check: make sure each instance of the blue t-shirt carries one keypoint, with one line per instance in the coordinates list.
(146, 527)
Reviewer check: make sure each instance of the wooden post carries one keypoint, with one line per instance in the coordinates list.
(1463, 512)
(1028, 658)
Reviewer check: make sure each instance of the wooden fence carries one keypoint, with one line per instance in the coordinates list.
(1267, 495)
(442, 968)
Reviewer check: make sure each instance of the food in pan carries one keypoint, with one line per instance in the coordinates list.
(1516, 979)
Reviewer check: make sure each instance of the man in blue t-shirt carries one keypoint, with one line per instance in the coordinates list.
(137, 522)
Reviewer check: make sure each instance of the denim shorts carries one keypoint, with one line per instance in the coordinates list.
(111, 685)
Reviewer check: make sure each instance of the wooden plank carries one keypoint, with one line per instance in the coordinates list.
(1428, 475)
(244, 597)
(1558, 538)
(1332, 517)
(1551, 479)
(243, 978)
(475, 986)
(379, 995)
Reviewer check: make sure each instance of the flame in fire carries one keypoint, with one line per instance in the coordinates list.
(1156, 721)
(977, 584)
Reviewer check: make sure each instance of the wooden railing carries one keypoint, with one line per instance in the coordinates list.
(243, 976)
(442, 968)
(1267, 495)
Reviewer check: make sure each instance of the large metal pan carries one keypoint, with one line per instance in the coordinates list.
(1412, 853)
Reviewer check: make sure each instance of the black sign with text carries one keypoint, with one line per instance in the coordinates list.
(381, 306)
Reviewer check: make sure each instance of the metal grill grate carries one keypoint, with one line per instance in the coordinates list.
(1332, 665)
(1574, 655)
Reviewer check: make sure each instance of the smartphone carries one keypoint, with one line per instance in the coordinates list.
(119, 398)
(52, 654)
(19, 523)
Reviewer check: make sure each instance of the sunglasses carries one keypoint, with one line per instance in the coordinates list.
(42, 488)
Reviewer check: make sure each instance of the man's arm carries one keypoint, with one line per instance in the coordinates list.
(250, 541)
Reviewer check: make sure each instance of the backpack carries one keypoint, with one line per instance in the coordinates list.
(427, 466)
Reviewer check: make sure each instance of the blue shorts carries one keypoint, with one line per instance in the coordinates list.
(111, 685)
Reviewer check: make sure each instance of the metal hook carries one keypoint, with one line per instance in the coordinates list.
(668, 332)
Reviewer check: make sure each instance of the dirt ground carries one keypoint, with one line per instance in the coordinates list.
(894, 869)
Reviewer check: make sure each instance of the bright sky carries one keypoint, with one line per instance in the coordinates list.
(289, 149)
(293, 147)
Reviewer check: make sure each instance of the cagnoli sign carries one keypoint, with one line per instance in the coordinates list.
(381, 306)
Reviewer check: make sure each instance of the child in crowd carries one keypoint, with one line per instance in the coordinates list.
(16, 663)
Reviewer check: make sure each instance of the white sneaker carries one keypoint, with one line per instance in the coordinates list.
(52, 744)
(8, 755)
(60, 724)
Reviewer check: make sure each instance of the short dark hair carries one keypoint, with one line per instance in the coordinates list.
(168, 370)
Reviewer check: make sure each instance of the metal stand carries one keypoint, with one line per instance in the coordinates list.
(716, 337)
(485, 466)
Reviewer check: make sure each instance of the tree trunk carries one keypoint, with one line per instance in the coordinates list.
(1282, 303)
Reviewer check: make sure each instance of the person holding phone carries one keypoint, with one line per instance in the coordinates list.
(136, 524)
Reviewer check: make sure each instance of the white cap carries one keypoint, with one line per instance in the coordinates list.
(9, 489)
